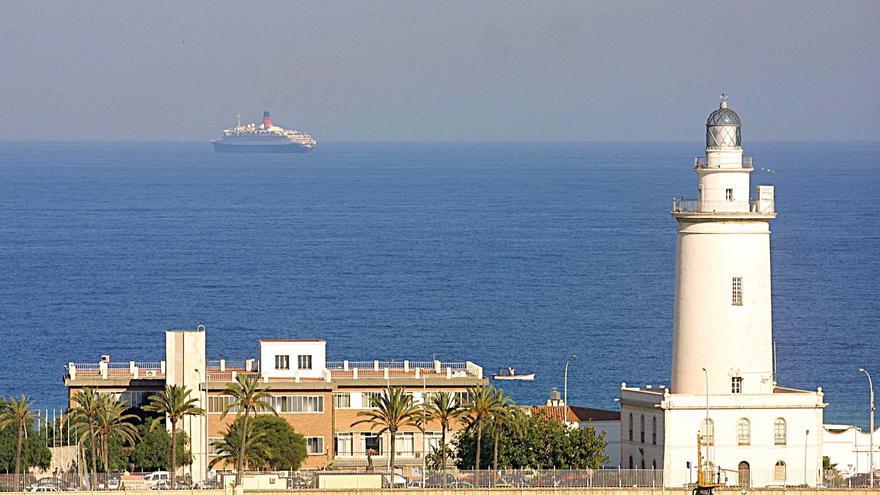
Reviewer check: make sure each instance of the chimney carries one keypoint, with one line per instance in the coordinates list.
(267, 121)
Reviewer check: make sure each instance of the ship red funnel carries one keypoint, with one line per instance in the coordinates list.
(267, 121)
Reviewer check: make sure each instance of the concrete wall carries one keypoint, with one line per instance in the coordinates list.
(513, 491)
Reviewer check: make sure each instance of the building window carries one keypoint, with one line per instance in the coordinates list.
(630, 429)
(654, 430)
(304, 361)
(342, 401)
(743, 432)
(315, 445)
(297, 403)
(371, 399)
(779, 471)
(779, 432)
(212, 441)
(642, 429)
(282, 362)
(631, 464)
(404, 444)
(736, 384)
(654, 464)
(343, 444)
(219, 403)
(643, 463)
(371, 444)
(736, 291)
(432, 442)
(707, 432)
(462, 398)
(728, 194)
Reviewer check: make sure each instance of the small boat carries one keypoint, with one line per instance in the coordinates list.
(510, 374)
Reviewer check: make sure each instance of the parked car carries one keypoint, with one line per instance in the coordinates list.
(44, 489)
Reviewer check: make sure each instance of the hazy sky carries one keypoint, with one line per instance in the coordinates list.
(470, 70)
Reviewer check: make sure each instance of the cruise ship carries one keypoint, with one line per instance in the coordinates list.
(263, 138)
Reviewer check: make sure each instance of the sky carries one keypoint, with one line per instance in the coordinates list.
(444, 70)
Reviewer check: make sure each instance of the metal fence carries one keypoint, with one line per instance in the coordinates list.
(452, 479)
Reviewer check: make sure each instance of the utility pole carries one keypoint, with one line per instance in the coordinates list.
(871, 413)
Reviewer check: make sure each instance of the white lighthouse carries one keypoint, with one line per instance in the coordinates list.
(754, 432)
(723, 321)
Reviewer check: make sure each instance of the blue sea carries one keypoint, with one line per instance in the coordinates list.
(512, 254)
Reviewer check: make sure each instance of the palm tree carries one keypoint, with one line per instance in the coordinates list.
(248, 398)
(445, 408)
(228, 448)
(174, 404)
(482, 407)
(502, 415)
(17, 412)
(112, 422)
(85, 419)
(393, 410)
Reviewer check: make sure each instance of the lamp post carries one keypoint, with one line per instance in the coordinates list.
(871, 416)
(204, 439)
(806, 442)
(709, 457)
(565, 382)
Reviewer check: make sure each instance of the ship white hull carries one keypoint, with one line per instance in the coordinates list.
(221, 147)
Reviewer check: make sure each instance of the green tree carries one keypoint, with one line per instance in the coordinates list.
(228, 450)
(484, 404)
(282, 448)
(537, 442)
(503, 414)
(393, 411)
(173, 404)
(114, 426)
(248, 398)
(17, 414)
(446, 409)
(34, 452)
(84, 418)
(153, 451)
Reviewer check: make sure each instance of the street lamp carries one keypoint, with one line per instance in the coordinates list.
(806, 442)
(871, 437)
(565, 383)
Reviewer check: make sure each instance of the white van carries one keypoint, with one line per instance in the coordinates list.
(153, 479)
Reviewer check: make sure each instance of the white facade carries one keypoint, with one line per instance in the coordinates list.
(849, 449)
(185, 366)
(723, 384)
(293, 358)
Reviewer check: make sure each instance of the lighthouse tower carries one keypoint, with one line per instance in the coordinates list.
(752, 432)
(723, 326)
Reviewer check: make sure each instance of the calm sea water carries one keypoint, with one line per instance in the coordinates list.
(504, 254)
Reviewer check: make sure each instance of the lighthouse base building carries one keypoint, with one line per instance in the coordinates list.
(724, 401)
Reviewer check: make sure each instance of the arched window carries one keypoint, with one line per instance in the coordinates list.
(631, 465)
(779, 433)
(654, 464)
(630, 428)
(642, 429)
(643, 463)
(779, 471)
(654, 430)
(707, 432)
(743, 432)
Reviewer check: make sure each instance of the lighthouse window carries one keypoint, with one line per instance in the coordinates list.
(737, 291)
(736, 385)
(728, 194)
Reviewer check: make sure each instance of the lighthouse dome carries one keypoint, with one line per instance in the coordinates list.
(723, 127)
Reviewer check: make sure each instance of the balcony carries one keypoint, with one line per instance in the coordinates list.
(701, 163)
(695, 207)
(105, 370)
